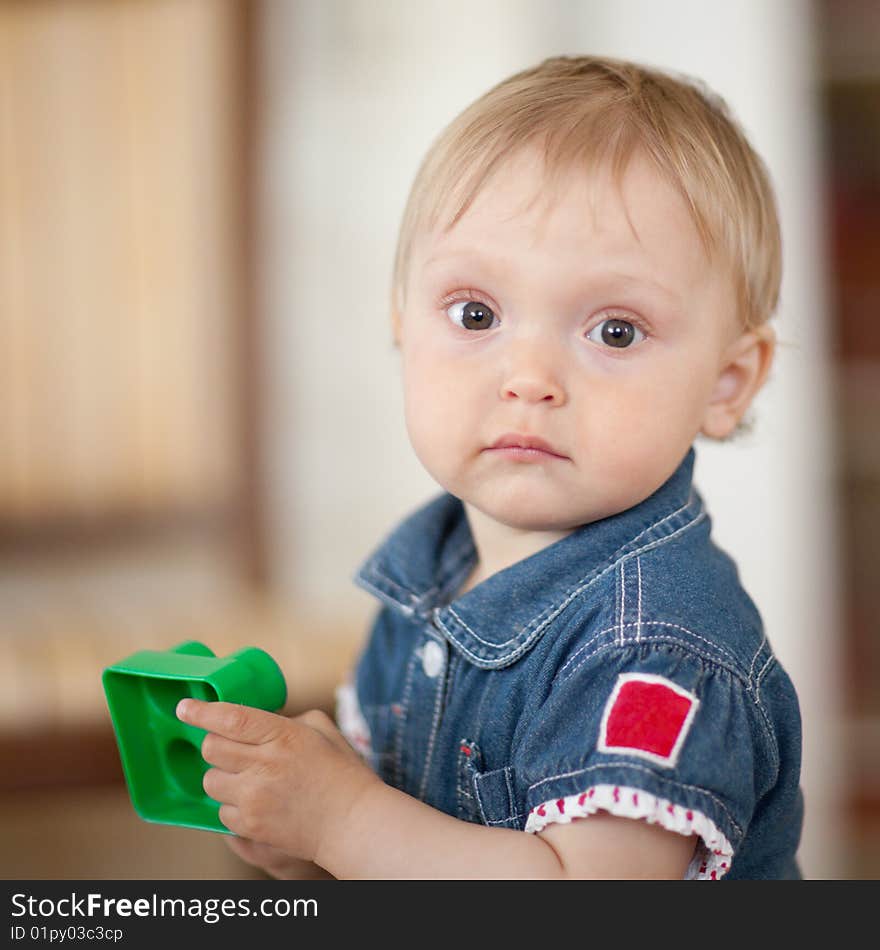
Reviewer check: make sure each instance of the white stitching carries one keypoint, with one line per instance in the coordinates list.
(464, 783)
(684, 643)
(733, 670)
(639, 611)
(657, 524)
(755, 657)
(435, 723)
(755, 686)
(455, 560)
(581, 649)
(622, 599)
(512, 813)
(760, 676)
(660, 623)
(476, 787)
(511, 796)
(656, 544)
(385, 597)
(542, 622)
(770, 734)
(398, 738)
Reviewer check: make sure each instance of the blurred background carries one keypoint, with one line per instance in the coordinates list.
(201, 429)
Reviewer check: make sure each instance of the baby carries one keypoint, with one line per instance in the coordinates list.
(566, 679)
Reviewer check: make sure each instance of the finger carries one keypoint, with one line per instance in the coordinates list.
(246, 849)
(226, 754)
(221, 786)
(230, 817)
(252, 852)
(273, 861)
(241, 723)
(263, 856)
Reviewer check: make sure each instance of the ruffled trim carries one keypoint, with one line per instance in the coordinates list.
(350, 719)
(712, 857)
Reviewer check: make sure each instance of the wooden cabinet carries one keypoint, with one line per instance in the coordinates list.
(123, 261)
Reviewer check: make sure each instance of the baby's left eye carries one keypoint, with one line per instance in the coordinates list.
(472, 315)
(616, 332)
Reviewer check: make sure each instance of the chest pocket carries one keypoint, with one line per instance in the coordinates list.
(485, 797)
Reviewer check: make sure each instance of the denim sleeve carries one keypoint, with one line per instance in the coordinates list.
(651, 731)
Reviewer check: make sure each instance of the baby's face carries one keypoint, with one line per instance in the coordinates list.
(559, 357)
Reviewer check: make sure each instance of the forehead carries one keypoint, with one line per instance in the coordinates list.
(577, 217)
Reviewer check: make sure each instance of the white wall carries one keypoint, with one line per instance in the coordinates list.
(356, 90)
(771, 495)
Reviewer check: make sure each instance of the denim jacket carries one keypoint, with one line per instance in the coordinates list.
(622, 668)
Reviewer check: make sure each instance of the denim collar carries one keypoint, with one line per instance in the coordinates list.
(423, 563)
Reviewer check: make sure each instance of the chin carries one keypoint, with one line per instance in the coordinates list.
(529, 514)
(539, 525)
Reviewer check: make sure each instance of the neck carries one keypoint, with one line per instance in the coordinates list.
(499, 545)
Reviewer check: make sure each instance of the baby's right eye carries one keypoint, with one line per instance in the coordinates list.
(472, 315)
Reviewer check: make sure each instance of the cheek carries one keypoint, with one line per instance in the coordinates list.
(433, 400)
(674, 395)
(647, 416)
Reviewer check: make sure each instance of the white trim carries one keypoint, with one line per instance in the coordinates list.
(350, 719)
(712, 857)
(667, 761)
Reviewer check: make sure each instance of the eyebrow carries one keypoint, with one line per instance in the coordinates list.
(642, 281)
(472, 256)
(479, 258)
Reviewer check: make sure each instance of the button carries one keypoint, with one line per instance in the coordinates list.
(433, 658)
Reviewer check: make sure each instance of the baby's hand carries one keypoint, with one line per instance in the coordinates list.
(282, 782)
(275, 863)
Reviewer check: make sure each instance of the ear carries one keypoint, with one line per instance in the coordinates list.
(743, 372)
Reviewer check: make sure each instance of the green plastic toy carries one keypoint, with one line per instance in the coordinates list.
(161, 756)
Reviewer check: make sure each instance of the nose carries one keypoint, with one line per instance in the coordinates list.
(531, 377)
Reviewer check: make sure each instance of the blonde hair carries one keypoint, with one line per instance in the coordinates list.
(587, 110)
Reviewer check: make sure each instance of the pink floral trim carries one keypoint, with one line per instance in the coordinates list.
(350, 719)
(713, 855)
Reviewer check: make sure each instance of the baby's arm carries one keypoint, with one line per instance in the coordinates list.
(392, 835)
(297, 786)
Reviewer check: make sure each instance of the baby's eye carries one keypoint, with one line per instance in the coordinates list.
(616, 332)
(472, 315)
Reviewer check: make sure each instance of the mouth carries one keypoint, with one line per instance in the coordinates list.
(524, 448)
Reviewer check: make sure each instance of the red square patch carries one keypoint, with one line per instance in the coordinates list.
(647, 716)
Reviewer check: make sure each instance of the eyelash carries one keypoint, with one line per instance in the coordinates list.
(465, 295)
(626, 317)
(477, 297)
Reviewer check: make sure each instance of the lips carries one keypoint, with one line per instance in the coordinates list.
(525, 445)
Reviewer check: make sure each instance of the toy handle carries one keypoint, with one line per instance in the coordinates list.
(265, 687)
